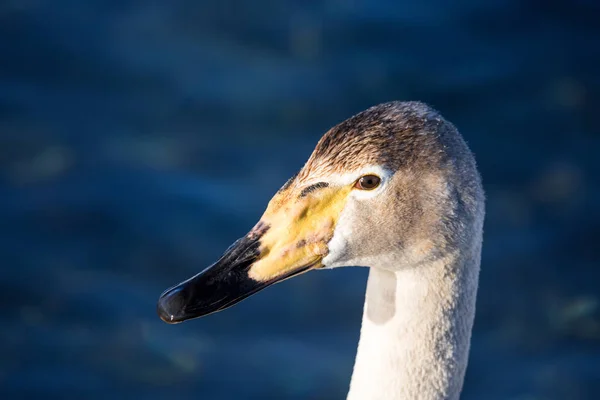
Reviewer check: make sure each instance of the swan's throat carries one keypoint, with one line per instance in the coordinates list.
(416, 331)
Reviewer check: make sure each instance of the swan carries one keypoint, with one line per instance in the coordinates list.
(394, 188)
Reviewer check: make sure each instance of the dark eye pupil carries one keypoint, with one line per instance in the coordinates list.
(369, 182)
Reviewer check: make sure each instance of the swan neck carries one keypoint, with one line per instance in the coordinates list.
(416, 331)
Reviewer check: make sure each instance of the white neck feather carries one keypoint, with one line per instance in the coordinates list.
(416, 331)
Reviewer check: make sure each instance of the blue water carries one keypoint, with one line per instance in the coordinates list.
(138, 139)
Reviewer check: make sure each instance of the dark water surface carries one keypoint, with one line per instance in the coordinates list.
(138, 139)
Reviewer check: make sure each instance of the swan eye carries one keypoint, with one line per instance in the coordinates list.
(367, 182)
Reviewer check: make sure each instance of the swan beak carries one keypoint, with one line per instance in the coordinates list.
(290, 239)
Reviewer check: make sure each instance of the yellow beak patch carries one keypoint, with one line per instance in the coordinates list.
(299, 229)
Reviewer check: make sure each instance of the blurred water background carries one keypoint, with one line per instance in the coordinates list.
(138, 139)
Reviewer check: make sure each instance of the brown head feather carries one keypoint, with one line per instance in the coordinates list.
(393, 135)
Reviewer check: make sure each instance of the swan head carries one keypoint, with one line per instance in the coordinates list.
(392, 187)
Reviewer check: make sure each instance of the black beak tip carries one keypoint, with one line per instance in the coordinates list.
(171, 305)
